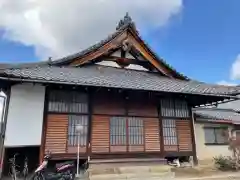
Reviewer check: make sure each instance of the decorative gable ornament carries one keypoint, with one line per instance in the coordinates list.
(127, 20)
(126, 45)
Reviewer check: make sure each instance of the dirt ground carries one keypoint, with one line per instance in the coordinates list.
(192, 173)
(202, 172)
(204, 169)
(212, 178)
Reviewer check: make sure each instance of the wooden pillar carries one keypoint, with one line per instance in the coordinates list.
(161, 139)
(192, 123)
(44, 128)
(90, 114)
(3, 128)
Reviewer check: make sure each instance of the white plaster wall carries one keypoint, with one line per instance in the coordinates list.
(207, 152)
(25, 115)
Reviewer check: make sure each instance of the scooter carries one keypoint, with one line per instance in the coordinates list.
(63, 171)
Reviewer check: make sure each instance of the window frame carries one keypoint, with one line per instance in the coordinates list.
(138, 137)
(171, 135)
(60, 102)
(116, 136)
(129, 135)
(215, 135)
(74, 134)
(170, 108)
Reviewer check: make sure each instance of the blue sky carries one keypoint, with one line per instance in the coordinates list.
(202, 42)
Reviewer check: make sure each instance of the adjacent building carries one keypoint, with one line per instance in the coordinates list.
(209, 126)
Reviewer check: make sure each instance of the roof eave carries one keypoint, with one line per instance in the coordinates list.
(12, 78)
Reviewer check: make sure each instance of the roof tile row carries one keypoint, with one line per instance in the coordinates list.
(97, 75)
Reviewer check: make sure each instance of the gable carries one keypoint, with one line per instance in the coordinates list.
(123, 45)
(141, 56)
(127, 43)
(129, 66)
(124, 59)
(128, 55)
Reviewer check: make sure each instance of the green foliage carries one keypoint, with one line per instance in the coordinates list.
(224, 163)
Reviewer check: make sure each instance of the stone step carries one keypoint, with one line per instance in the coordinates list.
(129, 169)
(131, 176)
(128, 160)
(145, 169)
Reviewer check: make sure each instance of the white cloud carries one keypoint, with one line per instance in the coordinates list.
(226, 83)
(235, 69)
(56, 28)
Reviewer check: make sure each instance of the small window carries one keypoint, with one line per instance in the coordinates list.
(118, 131)
(215, 136)
(67, 102)
(174, 108)
(135, 131)
(126, 131)
(169, 132)
(73, 135)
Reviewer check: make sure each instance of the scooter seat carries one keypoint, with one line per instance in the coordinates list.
(58, 165)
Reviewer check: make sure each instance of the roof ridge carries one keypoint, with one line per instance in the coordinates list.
(92, 47)
(4, 66)
(126, 21)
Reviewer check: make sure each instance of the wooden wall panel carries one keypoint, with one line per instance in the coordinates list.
(100, 134)
(171, 148)
(136, 148)
(73, 149)
(118, 148)
(152, 137)
(138, 108)
(108, 104)
(56, 133)
(184, 135)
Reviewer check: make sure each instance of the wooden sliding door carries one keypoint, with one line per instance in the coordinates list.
(176, 126)
(116, 134)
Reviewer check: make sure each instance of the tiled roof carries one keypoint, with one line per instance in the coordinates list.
(235, 105)
(4, 66)
(97, 75)
(219, 114)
